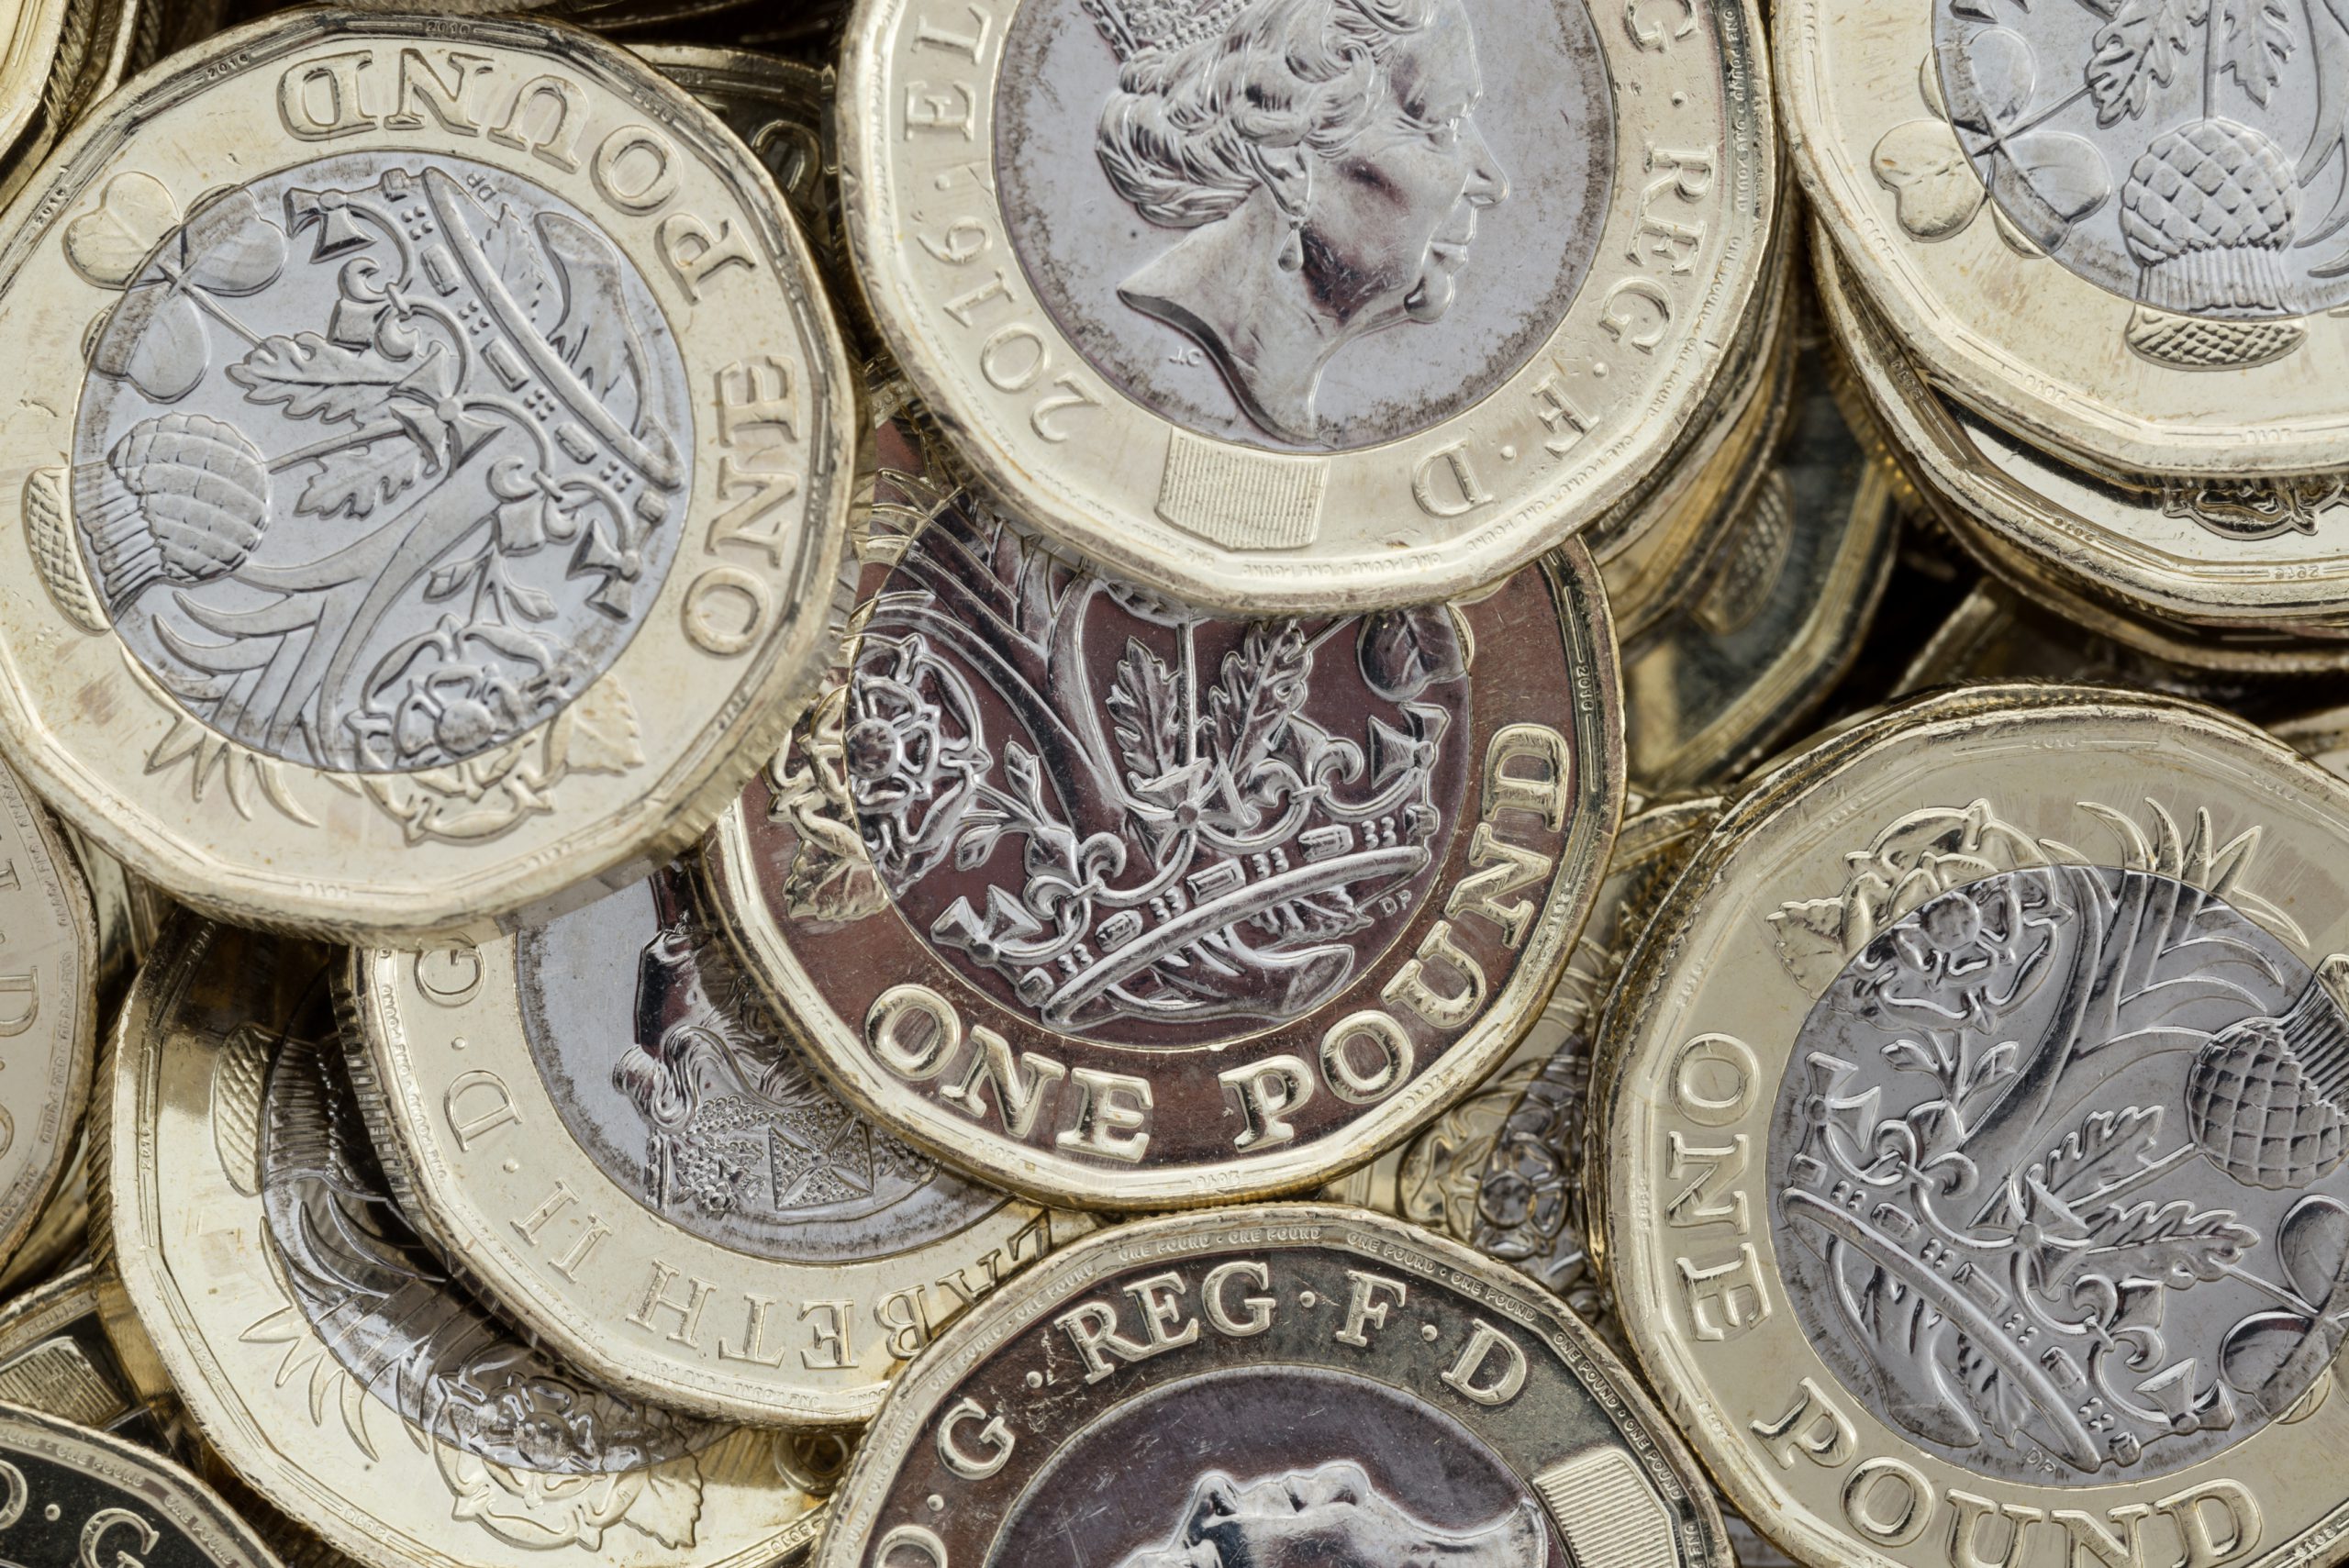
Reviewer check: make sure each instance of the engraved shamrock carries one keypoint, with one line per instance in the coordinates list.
(174, 274)
(2046, 180)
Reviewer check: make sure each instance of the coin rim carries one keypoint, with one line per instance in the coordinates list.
(730, 871)
(231, 880)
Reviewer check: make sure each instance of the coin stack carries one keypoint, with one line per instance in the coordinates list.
(1173, 783)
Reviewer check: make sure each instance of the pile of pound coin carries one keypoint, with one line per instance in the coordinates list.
(1174, 783)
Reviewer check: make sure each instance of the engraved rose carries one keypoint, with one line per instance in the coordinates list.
(914, 752)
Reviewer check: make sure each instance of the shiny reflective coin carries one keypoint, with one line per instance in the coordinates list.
(1502, 1171)
(71, 1498)
(1996, 634)
(1653, 551)
(55, 1358)
(1974, 1141)
(2116, 230)
(2228, 573)
(1778, 614)
(448, 512)
(48, 1010)
(1120, 904)
(1284, 1385)
(327, 1355)
(1312, 307)
(601, 1120)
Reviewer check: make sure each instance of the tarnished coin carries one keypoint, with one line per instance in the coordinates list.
(1778, 616)
(1121, 905)
(1502, 1171)
(2229, 574)
(601, 1123)
(1286, 1384)
(48, 1010)
(71, 1498)
(1309, 304)
(1975, 1139)
(322, 1350)
(447, 510)
(2115, 229)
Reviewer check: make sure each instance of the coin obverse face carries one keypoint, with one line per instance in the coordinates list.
(334, 1361)
(1976, 1148)
(444, 478)
(1121, 903)
(604, 1118)
(70, 1497)
(1309, 304)
(1289, 1383)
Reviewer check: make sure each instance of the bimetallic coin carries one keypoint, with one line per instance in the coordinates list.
(48, 1010)
(1778, 616)
(601, 1123)
(1284, 1385)
(71, 1498)
(1502, 1171)
(322, 1349)
(2224, 573)
(1120, 904)
(449, 509)
(1309, 305)
(2117, 231)
(55, 1358)
(1976, 1165)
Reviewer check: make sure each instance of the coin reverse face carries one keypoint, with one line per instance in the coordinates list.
(70, 1497)
(1976, 1152)
(1286, 1384)
(2082, 219)
(408, 511)
(1309, 305)
(604, 1118)
(340, 1367)
(1119, 903)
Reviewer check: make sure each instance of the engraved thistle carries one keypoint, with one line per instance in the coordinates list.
(383, 504)
(2188, 155)
(2059, 1165)
(1130, 816)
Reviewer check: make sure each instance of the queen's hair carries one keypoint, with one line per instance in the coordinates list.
(1185, 137)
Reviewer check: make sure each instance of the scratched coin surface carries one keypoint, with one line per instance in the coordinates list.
(446, 478)
(1974, 1148)
(70, 1497)
(326, 1354)
(602, 1120)
(1119, 903)
(2120, 231)
(1289, 1383)
(1309, 304)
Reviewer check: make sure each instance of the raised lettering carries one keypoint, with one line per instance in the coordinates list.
(1349, 1082)
(1112, 1113)
(1219, 1315)
(1265, 1091)
(560, 144)
(1461, 1377)
(1022, 1089)
(1363, 1310)
(994, 1434)
(1442, 1010)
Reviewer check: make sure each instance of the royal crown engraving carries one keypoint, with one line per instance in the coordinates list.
(2056, 1173)
(381, 462)
(2185, 154)
(1130, 819)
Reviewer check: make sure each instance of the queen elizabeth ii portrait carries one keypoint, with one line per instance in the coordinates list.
(1322, 162)
(1332, 1516)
